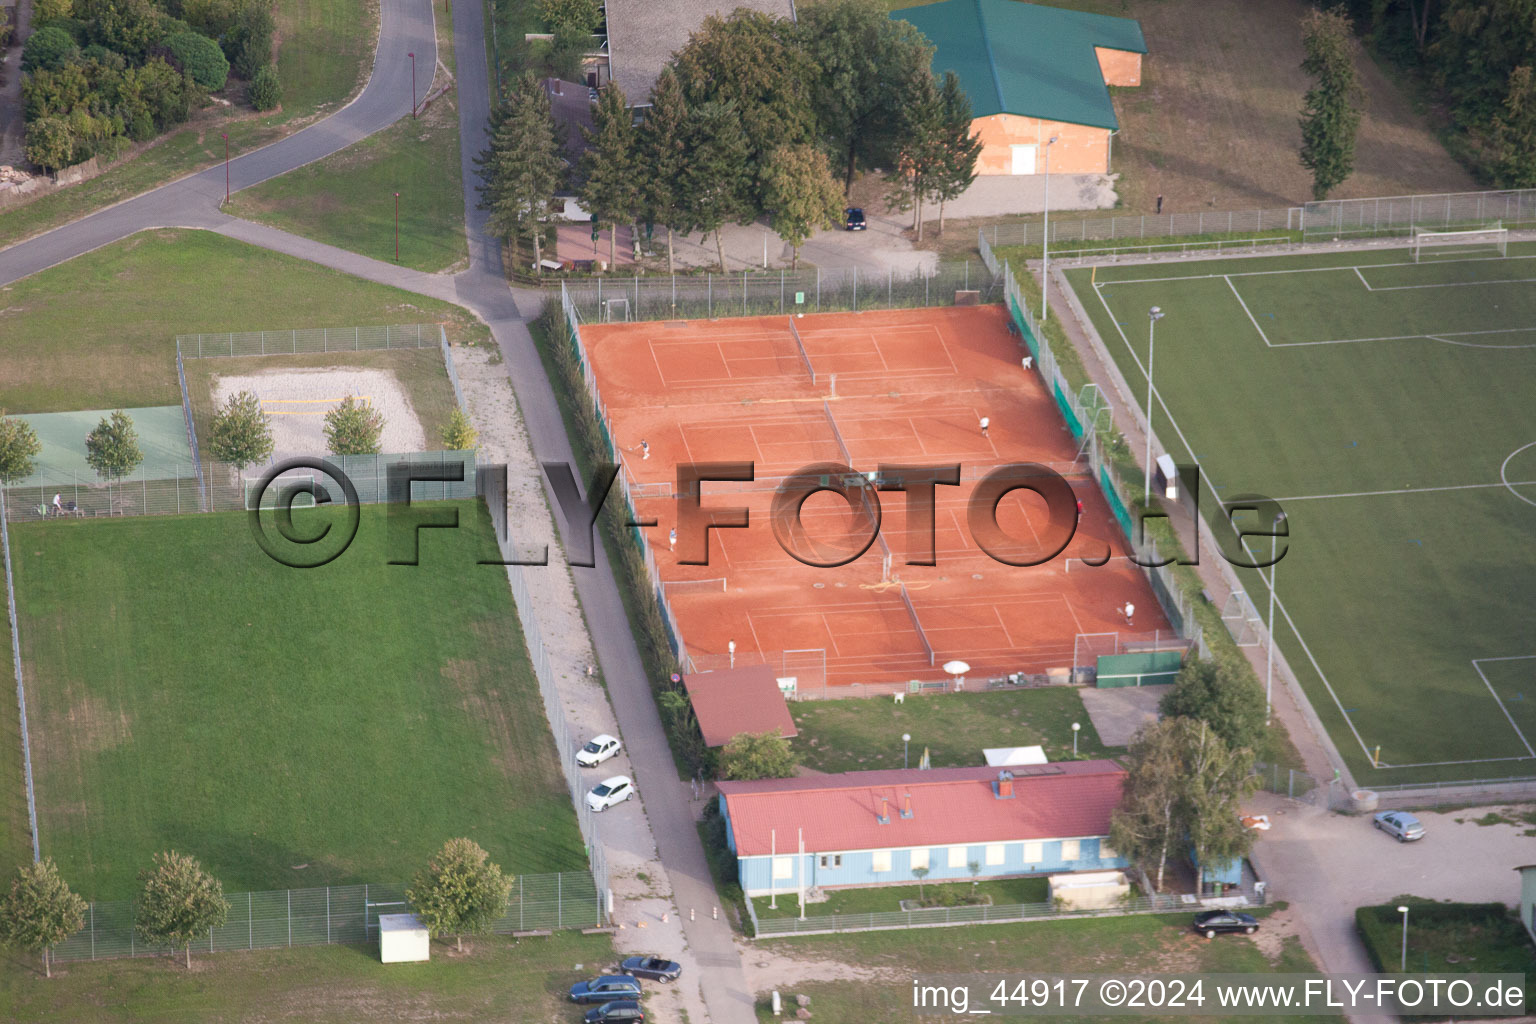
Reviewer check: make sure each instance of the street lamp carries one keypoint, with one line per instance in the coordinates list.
(413, 83)
(731, 647)
(225, 136)
(906, 738)
(1269, 674)
(397, 227)
(1404, 912)
(1075, 727)
(1153, 316)
(1045, 291)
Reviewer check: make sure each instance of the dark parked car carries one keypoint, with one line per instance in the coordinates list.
(1213, 921)
(605, 989)
(620, 1011)
(652, 967)
(856, 219)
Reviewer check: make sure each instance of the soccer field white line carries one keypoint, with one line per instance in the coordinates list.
(1299, 270)
(1477, 664)
(1409, 490)
(1251, 318)
(1210, 483)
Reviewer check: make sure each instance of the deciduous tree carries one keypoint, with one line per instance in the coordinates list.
(919, 157)
(40, 911)
(800, 193)
(1216, 691)
(1331, 110)
(112, 449)
(242, 431)
(1144, 828)
(583, 16)
(48, 49)
(757, 755)
(178, 902)
(19, 446)
(353, 427)
(1514, 133)
(459, 435)
(460, 892)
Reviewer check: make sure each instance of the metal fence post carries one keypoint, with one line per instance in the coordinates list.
(290, 917)
(250, 922)
(327, 915)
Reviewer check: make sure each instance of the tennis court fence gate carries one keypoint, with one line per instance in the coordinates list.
(328, 915)
(1318, 221)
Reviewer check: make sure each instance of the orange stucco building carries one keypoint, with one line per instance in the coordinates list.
(1035, 73)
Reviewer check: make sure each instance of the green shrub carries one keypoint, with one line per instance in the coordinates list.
(49, 144)
(201, 58)
(248, 43)
(48, 49)
(265, 91)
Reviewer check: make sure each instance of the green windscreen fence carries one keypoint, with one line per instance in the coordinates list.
(1022, 322)
(1149, 668)
(1122, 514)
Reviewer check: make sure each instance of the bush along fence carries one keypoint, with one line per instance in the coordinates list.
(1249, 895)
(770, 292)
(1315, 222)
(334, 914)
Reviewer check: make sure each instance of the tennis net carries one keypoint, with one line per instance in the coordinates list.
(805, 356)
(917, 623)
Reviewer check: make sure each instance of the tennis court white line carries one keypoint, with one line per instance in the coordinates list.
(1251, 318)
(1280, 604)
(1407, 490)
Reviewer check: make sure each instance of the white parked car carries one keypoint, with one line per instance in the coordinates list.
(598, 750)
(612, 791)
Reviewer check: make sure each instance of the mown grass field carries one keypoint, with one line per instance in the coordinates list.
(495, 980)
(1389, 407)
(324, 51)
(289, 727)
(100, 331)
(865, 735)
(348, 199)
(1122, 946)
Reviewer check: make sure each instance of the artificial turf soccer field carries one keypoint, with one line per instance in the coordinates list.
(289, 727)
(1390, 406)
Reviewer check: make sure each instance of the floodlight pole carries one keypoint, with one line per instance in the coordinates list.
(1153, 316)
(397, 227)
(1404, 912)
(906, 738)
(1075, 727)
(1269, 673)
(226, 167)
(413, 83)
(1045, 288)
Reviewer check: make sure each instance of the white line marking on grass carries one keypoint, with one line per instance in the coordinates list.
(1525, 742)
(1416, 490)
(1443, 336)
(1449, 284)
(1247, 310)
(1210, 483)
(1472, 344)
(1363, 280)
(1504, 474)
(1288, 270)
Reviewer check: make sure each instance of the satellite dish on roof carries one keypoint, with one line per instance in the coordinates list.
(956, 668)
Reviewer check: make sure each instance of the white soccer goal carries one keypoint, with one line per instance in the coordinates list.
(1429, 244)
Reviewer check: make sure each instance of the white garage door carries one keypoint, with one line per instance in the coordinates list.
(1023, 159)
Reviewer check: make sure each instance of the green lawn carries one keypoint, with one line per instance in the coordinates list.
(1448, 938)
(887, 898)
(325, 48)
(495, 980)
(1409, 556)
(288, 727)
(15, 843)
(1123, 946)
(864, 735)
(100, 331)
(348, 199)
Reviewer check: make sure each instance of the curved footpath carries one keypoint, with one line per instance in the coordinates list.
(193, 202)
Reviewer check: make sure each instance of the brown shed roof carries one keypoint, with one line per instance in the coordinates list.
(733, 701)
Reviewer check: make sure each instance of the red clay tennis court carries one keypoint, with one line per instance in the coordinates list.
(861, 389)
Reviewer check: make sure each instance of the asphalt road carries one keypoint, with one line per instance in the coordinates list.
(405, 26)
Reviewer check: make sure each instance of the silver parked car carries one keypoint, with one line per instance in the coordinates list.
(1400, 824)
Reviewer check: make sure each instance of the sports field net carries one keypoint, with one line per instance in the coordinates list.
(805, 357)
(1430, 245)
(1076, 474)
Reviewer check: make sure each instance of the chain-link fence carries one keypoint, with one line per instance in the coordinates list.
(21, 688)
(763, 293)
(1247, 895)
(308, 341)
(1325, 220)
(333, 914)
(212, 486)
